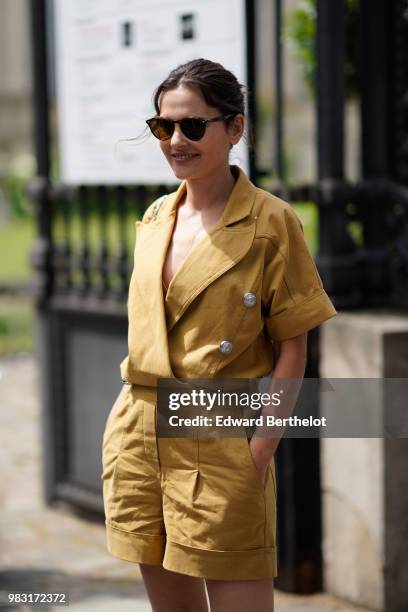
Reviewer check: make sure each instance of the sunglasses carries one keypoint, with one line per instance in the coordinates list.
(193, 128)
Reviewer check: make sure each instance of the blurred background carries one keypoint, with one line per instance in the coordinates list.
(17, 161)
(17, 166)
(329, 103)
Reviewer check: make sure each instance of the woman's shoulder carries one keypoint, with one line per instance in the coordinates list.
(276, 217)
(158, 205)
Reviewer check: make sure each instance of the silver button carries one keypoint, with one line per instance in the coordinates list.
(226, 347)
(249, 299)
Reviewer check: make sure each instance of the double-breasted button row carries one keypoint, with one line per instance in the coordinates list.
(249, 300)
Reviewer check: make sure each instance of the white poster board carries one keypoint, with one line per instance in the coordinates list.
(110, 56)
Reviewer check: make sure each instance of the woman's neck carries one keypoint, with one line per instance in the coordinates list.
(209, 191)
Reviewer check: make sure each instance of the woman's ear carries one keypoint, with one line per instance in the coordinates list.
(237, 128)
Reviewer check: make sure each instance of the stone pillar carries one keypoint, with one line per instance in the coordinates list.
(364, 480)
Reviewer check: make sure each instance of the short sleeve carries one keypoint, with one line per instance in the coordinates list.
(294, 294)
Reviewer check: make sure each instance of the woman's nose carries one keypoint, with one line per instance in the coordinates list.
(177, 135)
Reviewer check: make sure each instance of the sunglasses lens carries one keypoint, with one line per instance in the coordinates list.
(161, 128)
(193, 129)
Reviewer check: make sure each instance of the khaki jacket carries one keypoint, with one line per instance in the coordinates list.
(207, 325)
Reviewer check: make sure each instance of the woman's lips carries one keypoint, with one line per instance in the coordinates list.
(183, 157)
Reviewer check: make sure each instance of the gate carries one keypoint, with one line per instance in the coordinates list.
(80, 285)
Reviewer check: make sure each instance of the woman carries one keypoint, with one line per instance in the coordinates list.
(223, 286)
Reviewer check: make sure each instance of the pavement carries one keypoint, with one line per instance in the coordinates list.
(56, 549)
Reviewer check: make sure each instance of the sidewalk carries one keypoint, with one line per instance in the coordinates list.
(53, 549)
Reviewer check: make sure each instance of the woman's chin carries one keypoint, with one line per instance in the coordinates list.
(183, 173)
(184, 170)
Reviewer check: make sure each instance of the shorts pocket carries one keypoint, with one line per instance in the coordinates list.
(251, 464)
(114, 433)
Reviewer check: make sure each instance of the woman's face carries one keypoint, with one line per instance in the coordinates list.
(205, 156)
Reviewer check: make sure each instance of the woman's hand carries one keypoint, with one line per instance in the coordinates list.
(262, 452)
(290, 363)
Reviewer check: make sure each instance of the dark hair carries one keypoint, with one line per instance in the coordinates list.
(219, 87)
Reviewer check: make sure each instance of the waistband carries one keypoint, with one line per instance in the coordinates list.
(143, 392)
(186, 384)
(230, 384)
(214, 384)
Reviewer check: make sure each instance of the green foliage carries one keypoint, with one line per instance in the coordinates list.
(16, 325)
(299, 34)
(14, 183)
(309, 215)
(15, 241)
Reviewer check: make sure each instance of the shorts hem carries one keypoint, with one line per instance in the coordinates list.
(135, 547)
(255, 564)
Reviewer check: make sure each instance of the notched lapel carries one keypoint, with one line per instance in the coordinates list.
(224, 247)
(209, 259)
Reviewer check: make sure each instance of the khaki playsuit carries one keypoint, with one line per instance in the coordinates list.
(197, 506)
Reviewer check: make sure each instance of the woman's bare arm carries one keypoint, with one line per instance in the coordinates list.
(290, 363)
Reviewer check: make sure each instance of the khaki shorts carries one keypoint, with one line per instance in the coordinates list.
(194, 506)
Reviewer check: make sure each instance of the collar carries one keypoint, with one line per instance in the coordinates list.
(239, 204)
